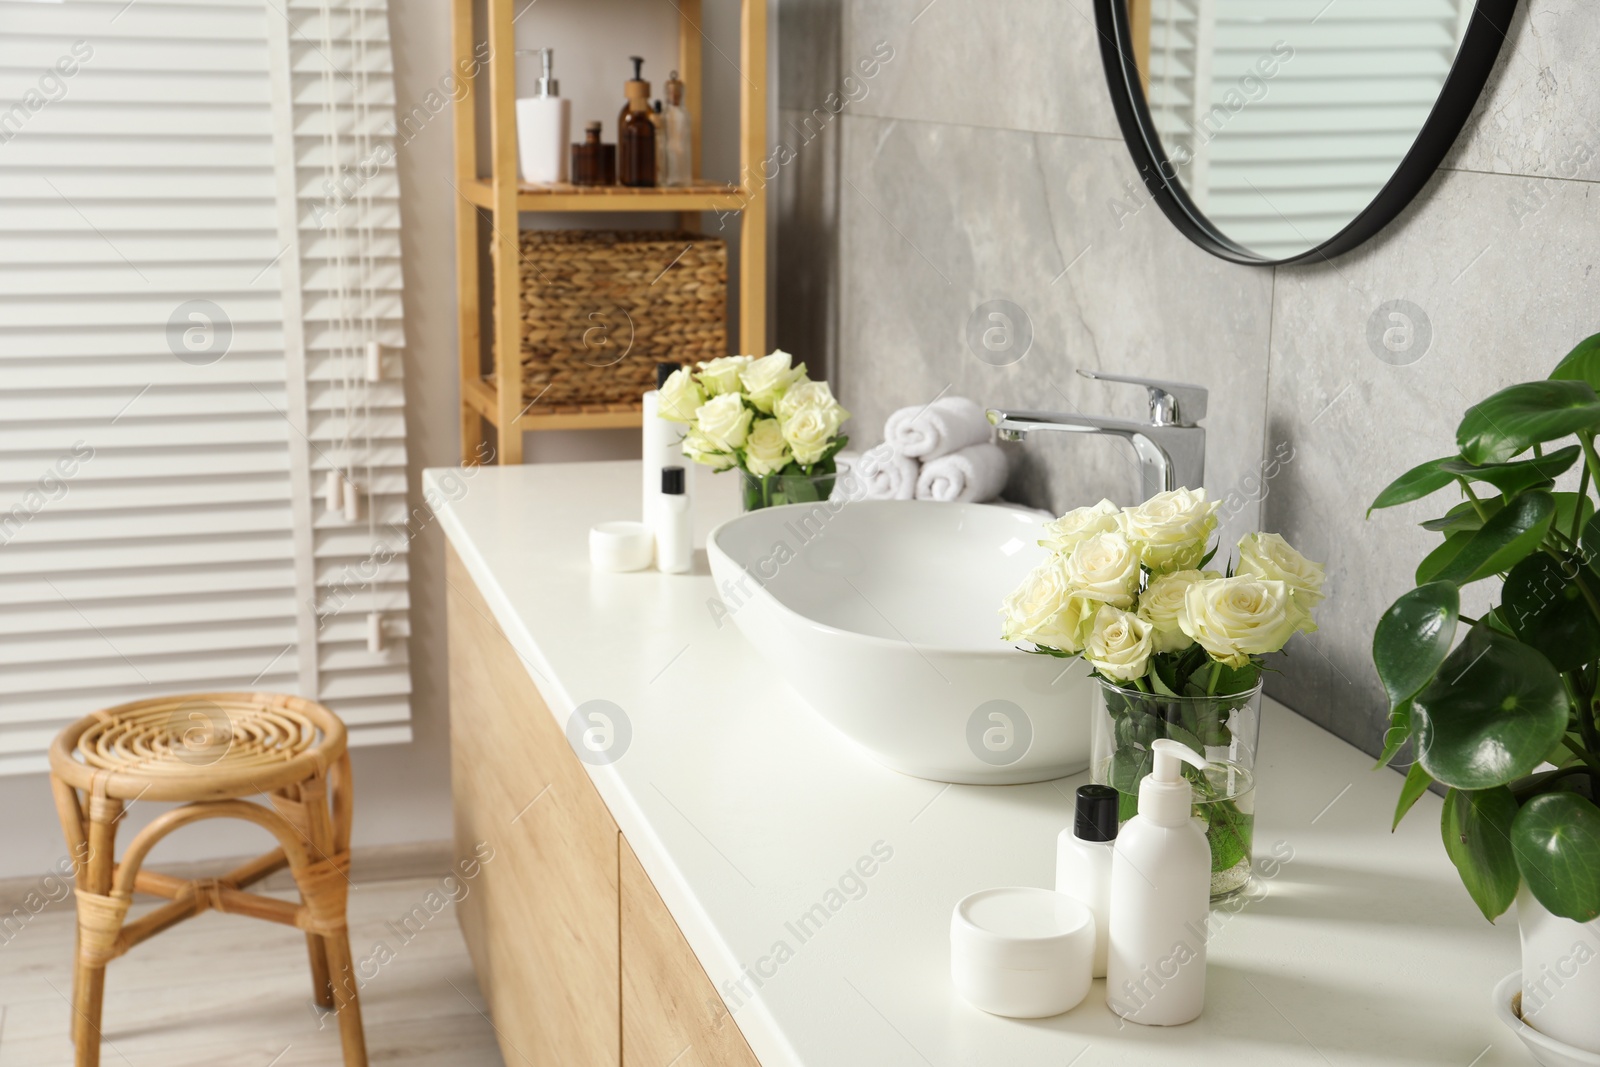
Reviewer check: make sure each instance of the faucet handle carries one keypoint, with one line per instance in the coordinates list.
(1171, 403)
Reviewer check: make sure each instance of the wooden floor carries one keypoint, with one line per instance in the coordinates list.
(222, 990)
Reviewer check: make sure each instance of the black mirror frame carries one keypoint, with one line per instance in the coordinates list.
(1486, 31)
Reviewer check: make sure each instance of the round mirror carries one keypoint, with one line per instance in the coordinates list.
(1282, 131)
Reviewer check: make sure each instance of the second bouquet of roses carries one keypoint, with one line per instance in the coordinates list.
(765, 417)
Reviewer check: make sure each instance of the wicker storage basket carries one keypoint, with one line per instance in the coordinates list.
(601, 308)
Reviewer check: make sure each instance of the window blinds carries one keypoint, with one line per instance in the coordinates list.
(185, 318)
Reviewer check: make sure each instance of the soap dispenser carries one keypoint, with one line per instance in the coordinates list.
(1083, 861)
(1160, 899)
(636, 132)
(544, 126)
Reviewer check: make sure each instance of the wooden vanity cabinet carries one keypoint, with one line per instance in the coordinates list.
(579, 959)
(671, 1014)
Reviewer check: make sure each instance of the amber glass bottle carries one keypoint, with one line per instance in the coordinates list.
(636, 133)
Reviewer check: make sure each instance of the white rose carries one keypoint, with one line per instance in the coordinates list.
(1045, 611)
(765, 450)
(1239, 617)
(806, 394)
(724, 421)
(1104, 567)
(1269, 556)
(766, 379)
(721, 375)
(680, 396)
(1062, 535)
(1119, 645)
(809, 433)
(1162, 602)
(1170, 530)
(702, 449)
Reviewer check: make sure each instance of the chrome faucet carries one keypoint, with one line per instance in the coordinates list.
(1171, 446)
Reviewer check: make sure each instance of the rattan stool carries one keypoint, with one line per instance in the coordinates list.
(207, 751)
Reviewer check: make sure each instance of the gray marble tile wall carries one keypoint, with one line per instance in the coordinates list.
(985, 165)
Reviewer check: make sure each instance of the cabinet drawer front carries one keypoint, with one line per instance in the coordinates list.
(541, 919)
(671, 1013)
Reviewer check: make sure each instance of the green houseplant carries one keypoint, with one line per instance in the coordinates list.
(1505, 717)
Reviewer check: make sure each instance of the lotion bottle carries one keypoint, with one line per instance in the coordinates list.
(675, 535)
(1161, 899)
(1083, 861)
(544, 126)
(662, 445)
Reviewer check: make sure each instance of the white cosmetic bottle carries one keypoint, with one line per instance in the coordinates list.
(1161, 898)
(544, 127)
(1083, 861)
(662, 444)
(675, 534)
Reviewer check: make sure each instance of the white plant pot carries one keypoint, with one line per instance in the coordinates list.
(1560, 974)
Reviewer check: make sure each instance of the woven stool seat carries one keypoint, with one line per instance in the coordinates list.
(198, 747)
(208, 751)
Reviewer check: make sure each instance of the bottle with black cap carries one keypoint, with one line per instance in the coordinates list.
(1083, 861)
(662, 441)
(674, 534)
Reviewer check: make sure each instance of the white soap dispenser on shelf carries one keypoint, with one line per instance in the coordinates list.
(1160, 899)
(544, 126)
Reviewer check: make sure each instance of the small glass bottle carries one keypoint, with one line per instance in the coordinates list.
(676, 147)
(594, 163)
(636, 133)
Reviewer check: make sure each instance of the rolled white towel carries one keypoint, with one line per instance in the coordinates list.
(974, 474)
(879, 473)
(929, 431)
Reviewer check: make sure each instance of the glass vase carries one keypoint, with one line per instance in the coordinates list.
(772, 490)
(1223, 728)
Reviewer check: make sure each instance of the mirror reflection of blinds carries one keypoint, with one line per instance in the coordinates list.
(1314, 141)
(151, 536)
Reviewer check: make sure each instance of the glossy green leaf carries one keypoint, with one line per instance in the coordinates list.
(1466, 516)
(1557, 838)
(1490, 714)
(1422, 480)
(1495, 620)
(1504, 540)
(1397, 733)
(1476, 827)
(1440, 558)
(1413, 638)
(1566, 504)
(1516, 418)
(1513, 478)
(1582, 363)
(1545, 606)
(1411, 790)
(1589, 540)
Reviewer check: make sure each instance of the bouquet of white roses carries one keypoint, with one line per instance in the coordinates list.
(1126, 589)
(764, 416)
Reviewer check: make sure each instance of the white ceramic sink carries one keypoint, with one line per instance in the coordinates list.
(883, 616)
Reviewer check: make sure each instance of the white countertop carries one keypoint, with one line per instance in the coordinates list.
(747, 810)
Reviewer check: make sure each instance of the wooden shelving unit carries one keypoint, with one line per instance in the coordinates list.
(491, 370)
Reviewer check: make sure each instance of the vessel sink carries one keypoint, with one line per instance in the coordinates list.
(883, 615)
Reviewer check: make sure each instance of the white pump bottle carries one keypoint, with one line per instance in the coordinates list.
(1160, 900)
